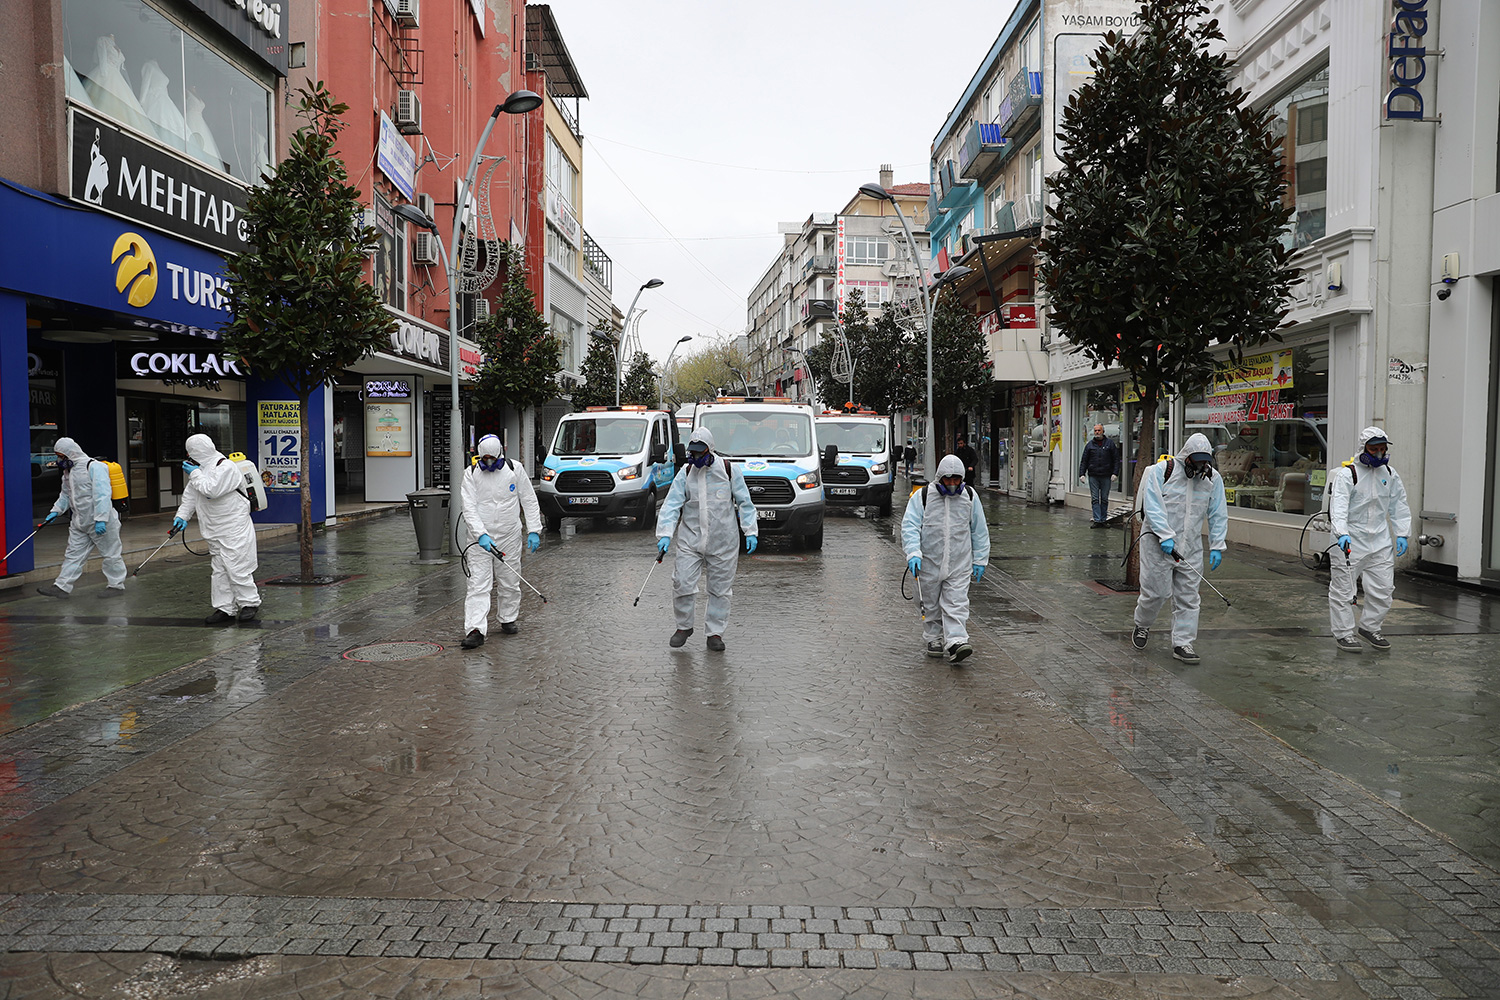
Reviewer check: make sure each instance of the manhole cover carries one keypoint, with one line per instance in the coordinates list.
(386, 652)
(780, 559)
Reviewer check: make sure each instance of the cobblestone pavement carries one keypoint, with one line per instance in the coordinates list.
(819, 811)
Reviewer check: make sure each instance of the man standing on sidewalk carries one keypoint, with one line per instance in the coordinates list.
(495, 494)
(1366, 499)
(969, 457)
(701, 507)
(215, 493)
(946, 542)
(86, 492)
(1099, 465)
(1177, 495)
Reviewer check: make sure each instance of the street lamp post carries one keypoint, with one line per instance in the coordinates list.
(661, 395)
(651, 283)
(605, 336)
(518, 103)
(810, 377)
(929, 458)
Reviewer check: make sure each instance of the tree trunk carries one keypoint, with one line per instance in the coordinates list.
(305, 533)
(1145, 457)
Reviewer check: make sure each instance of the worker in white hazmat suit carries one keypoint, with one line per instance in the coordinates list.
(1366, 503)
(946, 542)
(701, 507)
(1177, 495)
(496, 492)
(215, 494)
(95, 525)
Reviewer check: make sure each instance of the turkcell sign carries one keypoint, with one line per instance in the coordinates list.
(1408, 56)
(115, 172)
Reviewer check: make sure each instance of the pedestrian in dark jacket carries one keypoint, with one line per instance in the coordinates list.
(1098, 466)
(969, 457)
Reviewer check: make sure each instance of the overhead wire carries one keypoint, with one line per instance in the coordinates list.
(742, 166)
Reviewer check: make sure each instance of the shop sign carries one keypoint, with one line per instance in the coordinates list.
(388, 430)
(1248, 407)
(562, 216)
(469, 360)
(280, 439)
(396, 159)
(261, 25)
(1254, 373)
(417, 342)
(1408, 61)
(387, 388)
(840, 247)
(1020, 317)
(115, 172)
(178, 367)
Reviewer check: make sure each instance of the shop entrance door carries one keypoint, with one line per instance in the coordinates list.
(140, 455)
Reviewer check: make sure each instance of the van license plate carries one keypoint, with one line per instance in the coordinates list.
(765, 515)
(841, 491)
(578, 500)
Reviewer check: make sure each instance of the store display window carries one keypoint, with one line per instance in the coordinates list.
(128, 60)
(1267, 419)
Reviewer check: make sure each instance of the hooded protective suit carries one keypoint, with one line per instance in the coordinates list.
(949, 535)
(1364, 503)
(86, 492)
(1175, 508)
(707, 507)
(493, 504)
(215, 494)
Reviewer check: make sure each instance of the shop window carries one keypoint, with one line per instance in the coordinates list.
(568, 332)
(1268, 423)
(1098, 405)
(129, 61)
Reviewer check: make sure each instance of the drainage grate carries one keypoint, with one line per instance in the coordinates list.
(386, 652)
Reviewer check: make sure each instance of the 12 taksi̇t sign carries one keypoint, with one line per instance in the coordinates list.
(280, 440)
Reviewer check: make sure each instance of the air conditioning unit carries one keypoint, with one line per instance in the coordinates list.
(408, 112)
(424, 249)
(406, 13)
(481, 310)
(533, 62)
(427, 205)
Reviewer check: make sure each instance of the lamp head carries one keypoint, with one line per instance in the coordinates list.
(603, 335)
(653, 283)
(684, 340)
(415, 216)
(520, 102)
(875, 191)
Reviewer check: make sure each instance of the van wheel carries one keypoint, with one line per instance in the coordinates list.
(813, 540)
(647, 516)
(554, 522)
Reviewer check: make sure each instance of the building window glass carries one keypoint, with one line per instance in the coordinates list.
(128, 61)
(390, 256)
(866, 250)
(875, 292)
(1302, 125)
(561, 251)
(561, 175)
(567, 330)
(1268, 423)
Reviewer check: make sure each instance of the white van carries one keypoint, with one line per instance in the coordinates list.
(774, 442)
(609, 461)
(862, 473)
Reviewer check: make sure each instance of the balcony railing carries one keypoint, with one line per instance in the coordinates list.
(598, 263)
(822, 263)
(1022, 105)
(982, 148)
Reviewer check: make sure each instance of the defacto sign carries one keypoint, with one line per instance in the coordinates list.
(113, 171)
(177, 365)
(1407, 53)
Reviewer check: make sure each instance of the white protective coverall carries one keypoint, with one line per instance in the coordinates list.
(701, 507)
(215, 493)
(950, 536)
(1175, 509)
(493, 505)
(86, 492)
(1365, 510)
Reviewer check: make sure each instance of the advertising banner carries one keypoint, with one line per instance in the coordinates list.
(1255, 373)
(1056, 441)
(395, 158)
(280, 422)
(388, 430)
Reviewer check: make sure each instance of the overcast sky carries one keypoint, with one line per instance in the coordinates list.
(708, 123)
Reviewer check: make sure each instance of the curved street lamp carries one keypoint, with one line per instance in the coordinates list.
(517, 103)
(661, 399)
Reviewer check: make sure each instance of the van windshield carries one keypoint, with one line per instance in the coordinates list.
(853, 437)
(754, 433)
(600, 436)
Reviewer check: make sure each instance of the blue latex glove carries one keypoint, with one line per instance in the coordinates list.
(1167, 545)
(178, 524)
(662, 543)
(1345, 542)
(533, 541)
(913, 565)
(188, 467)
(487, 543)
(50, 518)
(978, 572)
(1214, 558)
(1401, 546)
(750, 542)
(100, 527)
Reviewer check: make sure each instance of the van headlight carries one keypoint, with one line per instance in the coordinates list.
(634, 472)
(548, 475)
(878, 469)
(807, 480)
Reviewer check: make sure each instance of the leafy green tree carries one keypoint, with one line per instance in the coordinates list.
(598, 371)
(701, 374)
(521, 357)
(301, 308)
(639, 388)
(1166, 235)
(961, 380)
(886, 379)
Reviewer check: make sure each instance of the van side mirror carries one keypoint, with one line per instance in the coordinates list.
(679, 453)
(658, 453)
(830, 456)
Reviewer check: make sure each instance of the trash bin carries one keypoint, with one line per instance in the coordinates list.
(429, 516)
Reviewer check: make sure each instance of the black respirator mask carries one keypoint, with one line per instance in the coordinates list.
(1199, 467)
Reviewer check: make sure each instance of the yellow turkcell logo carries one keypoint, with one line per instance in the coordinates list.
(137, 270)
